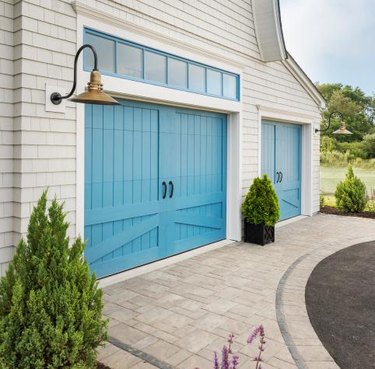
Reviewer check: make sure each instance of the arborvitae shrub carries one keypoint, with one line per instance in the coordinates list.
(351, 193)
(261, 205)
(50, 304)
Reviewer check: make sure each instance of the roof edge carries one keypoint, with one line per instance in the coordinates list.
(304, 81)
(268, 30)
(279, 22)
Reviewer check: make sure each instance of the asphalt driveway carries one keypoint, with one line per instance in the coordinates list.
(340, 299)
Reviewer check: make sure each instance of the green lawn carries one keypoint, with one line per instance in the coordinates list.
(331, 176)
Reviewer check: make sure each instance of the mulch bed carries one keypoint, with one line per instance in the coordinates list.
(335, 211)
(102, 366)
(340, 300)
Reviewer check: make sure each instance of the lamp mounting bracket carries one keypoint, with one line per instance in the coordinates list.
(56, 97)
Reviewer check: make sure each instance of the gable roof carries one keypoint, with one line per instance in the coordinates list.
(270, 37)
(309, 86)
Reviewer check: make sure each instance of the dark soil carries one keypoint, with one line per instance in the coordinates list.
(335, 211)
(340, 300)
(102, 366)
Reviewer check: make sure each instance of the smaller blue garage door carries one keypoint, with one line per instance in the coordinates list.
(155, 183)
(281, 161)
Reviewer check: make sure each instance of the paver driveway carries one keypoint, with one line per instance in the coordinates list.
(178, 315)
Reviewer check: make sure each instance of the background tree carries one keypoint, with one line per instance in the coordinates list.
(369, 145)
(357, 107)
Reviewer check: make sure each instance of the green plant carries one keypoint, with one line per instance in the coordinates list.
(321, 200)
(355, 149)
(370, 206)
(335, 158)
(328, 143)
(351, 193)
(261, 205)
(369, 145)
(50, 304)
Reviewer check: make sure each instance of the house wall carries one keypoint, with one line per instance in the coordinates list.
(45, 41)
(7, 99)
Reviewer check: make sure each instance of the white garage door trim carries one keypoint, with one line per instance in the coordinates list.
(170, 97)
(308, 123)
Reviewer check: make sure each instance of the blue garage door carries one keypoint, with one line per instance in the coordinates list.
(281, 161)
(155, 183)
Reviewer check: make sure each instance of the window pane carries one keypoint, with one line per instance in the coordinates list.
(155, 67)
(213, 82)
(197, 78)
(177, 73)
(106, 53)
(130, 61)
(229, 86)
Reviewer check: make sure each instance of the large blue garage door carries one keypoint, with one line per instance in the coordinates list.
(281, 161)
(155, 183)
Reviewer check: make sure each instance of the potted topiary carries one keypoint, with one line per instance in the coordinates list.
(260, 211)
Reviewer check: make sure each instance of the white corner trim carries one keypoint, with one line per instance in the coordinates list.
(304, 81)
(234, 177)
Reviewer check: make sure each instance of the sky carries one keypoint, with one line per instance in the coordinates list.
(332, 40)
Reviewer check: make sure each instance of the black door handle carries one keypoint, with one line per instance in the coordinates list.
(282, 176)
(171, 189)
(164, 184)
(278, 177)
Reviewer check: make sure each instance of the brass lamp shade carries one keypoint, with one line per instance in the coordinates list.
(94, 93)
(342, 130)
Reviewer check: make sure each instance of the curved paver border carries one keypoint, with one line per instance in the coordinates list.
(303, 344)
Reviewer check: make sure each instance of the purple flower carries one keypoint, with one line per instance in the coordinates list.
(235, 361)
(230, 338)
(216, 361)
(225, 358)
(254, 334)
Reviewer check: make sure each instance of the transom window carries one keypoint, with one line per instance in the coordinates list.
(129, 60)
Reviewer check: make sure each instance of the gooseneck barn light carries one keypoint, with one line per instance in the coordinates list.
(94, 92)
(341, 131)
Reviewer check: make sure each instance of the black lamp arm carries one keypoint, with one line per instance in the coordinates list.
(329, 121)
(56, 96)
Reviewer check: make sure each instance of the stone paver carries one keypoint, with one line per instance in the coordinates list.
(181, 313)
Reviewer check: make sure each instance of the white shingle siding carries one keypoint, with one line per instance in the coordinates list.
(37, 46)
(44, 144)
(6, 132)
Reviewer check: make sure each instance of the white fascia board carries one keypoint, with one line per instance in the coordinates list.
(304, 81)
(268, 30)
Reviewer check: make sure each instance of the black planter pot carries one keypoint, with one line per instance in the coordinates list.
(259, 233)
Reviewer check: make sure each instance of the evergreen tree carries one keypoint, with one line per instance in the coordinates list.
(351, 193)
(50, 304)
